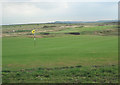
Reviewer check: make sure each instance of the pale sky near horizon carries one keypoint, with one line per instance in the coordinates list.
(38, 12)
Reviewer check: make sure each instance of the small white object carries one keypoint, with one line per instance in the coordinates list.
(13, 30)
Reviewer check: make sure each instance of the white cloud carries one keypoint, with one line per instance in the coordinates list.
(59, 0)
(0, 14)
(20, 9)
(31, 9)
(74, 0)
(24, 12)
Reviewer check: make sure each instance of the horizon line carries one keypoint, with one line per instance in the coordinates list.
(48, 22)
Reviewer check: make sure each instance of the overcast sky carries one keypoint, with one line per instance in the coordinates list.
(38, 12)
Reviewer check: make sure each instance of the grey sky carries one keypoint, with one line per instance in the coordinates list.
(35, 12)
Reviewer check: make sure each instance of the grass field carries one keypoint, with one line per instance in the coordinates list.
(71, 58)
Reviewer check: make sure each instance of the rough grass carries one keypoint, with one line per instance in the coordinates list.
(76, 74)
(82, 29)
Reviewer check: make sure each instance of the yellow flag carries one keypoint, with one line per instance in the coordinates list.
(33, 31)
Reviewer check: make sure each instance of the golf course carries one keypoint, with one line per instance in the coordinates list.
(61, 53)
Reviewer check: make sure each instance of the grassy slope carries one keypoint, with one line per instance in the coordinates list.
(84, 50)
(84, 58)
(81, 29)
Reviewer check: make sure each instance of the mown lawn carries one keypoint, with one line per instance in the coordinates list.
(84, 51)
(61, 51)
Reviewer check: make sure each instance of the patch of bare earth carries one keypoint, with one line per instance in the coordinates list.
(31, 36)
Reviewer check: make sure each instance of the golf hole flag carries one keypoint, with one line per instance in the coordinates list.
(33, 31)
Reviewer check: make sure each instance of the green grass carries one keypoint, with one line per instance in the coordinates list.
(81, 29)
(59, 57)
(19, 53)
(78, 74)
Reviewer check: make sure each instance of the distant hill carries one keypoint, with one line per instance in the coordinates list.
(73, 22)
(67, 22)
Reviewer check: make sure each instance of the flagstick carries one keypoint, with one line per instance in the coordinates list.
(34, 39)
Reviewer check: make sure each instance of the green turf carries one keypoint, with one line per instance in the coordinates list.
(85, 50)
(82, 29)
(89, 57)
(76, 74)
